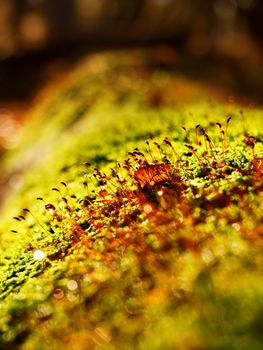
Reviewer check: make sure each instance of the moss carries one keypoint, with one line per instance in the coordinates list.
(159, 248)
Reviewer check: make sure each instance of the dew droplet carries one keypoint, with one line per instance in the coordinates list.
(236, 226)
(39, 254)
(147, 209)
(72, 297)
(58, 294)
(72, 285)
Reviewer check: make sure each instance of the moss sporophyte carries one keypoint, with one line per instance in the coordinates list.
(136, 233)
(159, 203)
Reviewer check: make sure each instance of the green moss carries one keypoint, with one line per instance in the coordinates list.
(183, 273)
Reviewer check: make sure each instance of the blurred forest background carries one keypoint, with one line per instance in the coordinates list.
(33, 32)
(219, 41)
(200, 26)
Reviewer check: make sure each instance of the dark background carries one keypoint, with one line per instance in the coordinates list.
(211, 36)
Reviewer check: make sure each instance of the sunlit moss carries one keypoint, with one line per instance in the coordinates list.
(165, 253)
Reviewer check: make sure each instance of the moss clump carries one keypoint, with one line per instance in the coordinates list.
(150, 233)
